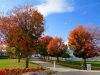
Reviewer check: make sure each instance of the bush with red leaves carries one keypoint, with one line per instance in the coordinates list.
(18, 71)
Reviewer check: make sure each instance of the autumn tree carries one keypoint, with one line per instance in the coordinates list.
(95, 34)
(10, 34)
(43, 43)
(57, 47)
(13, 38)
(26, 27)
(80, 41)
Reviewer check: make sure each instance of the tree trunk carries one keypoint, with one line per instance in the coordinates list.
(19, 57)
(58, 59)
(84, 67)
(18, 60)
(48, 57)
(27, 61)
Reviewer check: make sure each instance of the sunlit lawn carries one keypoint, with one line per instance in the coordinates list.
(93, 63)
(12, 63)
(77, 64)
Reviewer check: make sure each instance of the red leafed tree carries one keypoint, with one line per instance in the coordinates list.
(56, 47)
(24, 30)
(95, 33)
(80, 41)
(13, 39)
(43, 43)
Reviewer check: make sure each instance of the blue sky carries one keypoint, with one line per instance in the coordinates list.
(61, 16)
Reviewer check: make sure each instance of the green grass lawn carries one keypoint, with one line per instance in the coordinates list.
(13, 63)
(93, 63)
(77, 64)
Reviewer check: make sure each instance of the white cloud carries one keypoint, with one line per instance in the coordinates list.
(55, 6)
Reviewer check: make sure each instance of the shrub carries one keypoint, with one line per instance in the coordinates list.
(18, 71)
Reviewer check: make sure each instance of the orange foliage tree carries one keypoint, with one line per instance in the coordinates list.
(57, 47)
(23, 29)
(80, 41)
(13, 39)
(95, 33)
(43, 43)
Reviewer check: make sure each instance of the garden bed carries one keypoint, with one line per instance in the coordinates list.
(19, 71)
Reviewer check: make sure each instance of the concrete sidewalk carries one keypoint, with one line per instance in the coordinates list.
(77, 73)
(61, 70)
(51, 66)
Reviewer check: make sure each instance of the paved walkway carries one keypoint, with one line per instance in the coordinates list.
(78, 73)
(51, 66)
(61, 70)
